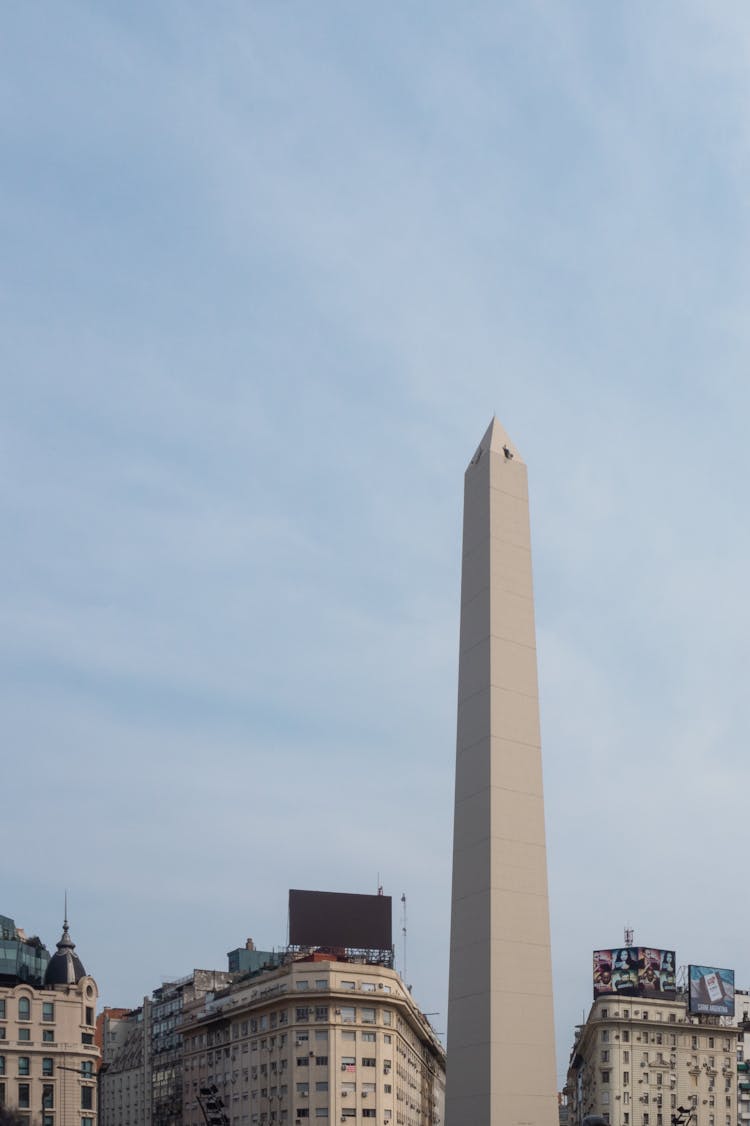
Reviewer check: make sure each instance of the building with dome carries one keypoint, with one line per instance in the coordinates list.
(48, 1057)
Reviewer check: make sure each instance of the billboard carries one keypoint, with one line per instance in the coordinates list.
(334, 920)
(711, 990)
(635, 971)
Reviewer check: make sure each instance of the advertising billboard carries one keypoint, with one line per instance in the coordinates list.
(711, 990)
(634, 971)
(334, 919)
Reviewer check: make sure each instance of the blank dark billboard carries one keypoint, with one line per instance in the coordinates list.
(335, 919)
(635, 971)
(711, 990)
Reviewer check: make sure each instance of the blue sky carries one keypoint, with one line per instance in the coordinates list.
(267, 271)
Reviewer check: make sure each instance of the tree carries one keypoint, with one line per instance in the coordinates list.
(10, 1117)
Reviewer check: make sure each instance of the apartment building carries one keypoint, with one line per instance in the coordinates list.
(48, 1056)
(317, 1038)
(639, 1061)
(125, 1074)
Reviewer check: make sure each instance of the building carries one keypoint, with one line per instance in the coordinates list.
(125, 1075)
(639, 1061)
(500, 1015)
(166, 1044)
(48, 1056)
(320, 1037)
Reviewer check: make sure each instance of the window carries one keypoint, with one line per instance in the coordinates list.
(605, 1076)
(23, 1065)
(347, 1013)
(2, 1010)
(87, 1098)
(348, 1035)
(48, 1096)
(24, 1034)
(605, 1055)
(303, 1112)
(369, 1112)
(48, 1120)
(387, 1016)
(24, 1008)
(303, 1061)
(303, 984)
(625, 1078)
(347, 984)
(367, 1016)
(48, 1066)
(368, 1037)
(321, 1012)
(322, 1086)
(626, 1057)
(321, 983)
(625, 1036)
(2, 1065)
(303, 1013)
(23, 1096)
(367, 987)
(604, 1014)
(321, 1111)
(87, 1069)
(368, 1061)
(348, 1063)
(303, 1089)
(387, 1038)
(48, 1010)
(321, 1061)
(605, 1036)
(710, 1041)
(693, 1041)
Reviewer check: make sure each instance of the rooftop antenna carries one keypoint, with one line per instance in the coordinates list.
(403, 927)
(628, 936)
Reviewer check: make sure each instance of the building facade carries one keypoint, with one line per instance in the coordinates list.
(48, 1054)
(322, 1039)
(125, 1075)
(639, 1062)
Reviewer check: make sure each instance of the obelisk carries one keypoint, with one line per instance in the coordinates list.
(501, 1053)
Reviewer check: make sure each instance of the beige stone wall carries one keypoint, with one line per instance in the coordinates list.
(501, 1060)
(43, 1055)
(324, 1041)
(635, 1061)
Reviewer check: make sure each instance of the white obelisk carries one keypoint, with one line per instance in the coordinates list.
(501, 1053)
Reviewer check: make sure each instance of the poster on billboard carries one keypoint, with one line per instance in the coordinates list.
(711, 990)
(635, 971)
(656, 972)
(616, 971)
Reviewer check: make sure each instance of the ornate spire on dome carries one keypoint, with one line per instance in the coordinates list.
(64, 967)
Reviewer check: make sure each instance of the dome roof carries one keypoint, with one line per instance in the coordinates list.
(64, 967)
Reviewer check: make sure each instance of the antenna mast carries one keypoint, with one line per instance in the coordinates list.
(403, 927)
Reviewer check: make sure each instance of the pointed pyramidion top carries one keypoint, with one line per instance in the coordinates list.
(496, 440)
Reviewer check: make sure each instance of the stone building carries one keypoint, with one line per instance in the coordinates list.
(125, 1076)
(317, 1038)
(48, 1056)
(639, 1061)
